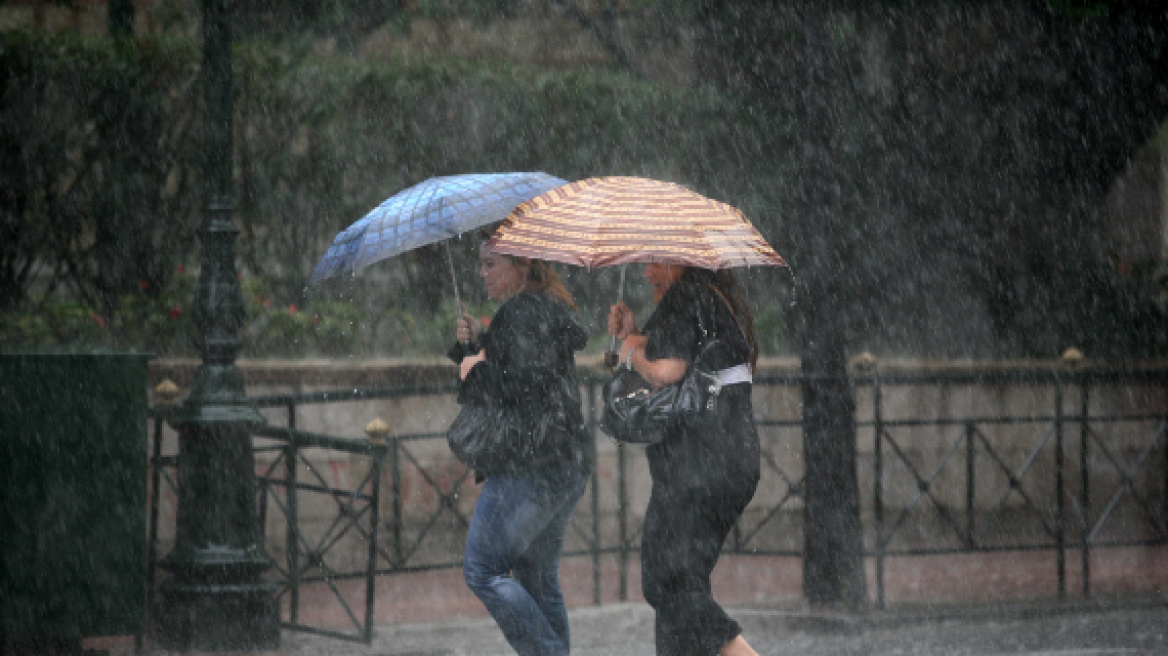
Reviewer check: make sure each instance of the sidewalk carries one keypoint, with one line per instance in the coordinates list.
(766, 582)
(1120, 627)
(966, 604)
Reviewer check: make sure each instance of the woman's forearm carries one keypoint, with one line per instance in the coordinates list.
(665, 371)
(468, 362)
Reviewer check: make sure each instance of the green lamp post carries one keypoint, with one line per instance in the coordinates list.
(216, 598)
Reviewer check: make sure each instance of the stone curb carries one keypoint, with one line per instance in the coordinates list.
(855, 622)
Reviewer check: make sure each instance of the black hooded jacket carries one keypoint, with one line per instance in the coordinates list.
(531, 366)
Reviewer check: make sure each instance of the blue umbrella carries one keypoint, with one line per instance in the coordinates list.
(437, 209)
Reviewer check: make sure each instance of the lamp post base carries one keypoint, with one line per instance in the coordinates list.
(236, 617)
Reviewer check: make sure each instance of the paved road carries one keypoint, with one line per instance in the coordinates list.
(626, 630)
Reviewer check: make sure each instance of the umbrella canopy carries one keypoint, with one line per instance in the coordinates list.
(437, 209)
(618, 220)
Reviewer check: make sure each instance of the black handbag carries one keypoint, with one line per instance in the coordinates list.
(490, 436)
(635, 413)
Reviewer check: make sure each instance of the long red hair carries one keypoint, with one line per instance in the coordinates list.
(727, 283)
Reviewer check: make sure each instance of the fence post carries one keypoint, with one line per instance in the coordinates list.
(878, 466)
(1060, 504)
(396, 524)
(1085, 484)
(291, 457)
(595, 494)
(374, 519)
(291, 454)
(622, 519)
(970, 487)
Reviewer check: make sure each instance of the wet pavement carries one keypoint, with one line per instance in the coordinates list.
(1125, 628)
(942, 607)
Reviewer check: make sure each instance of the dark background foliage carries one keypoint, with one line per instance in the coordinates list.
(974, 143)
(320, 140)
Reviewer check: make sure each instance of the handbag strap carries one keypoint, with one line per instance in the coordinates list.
(728, 307)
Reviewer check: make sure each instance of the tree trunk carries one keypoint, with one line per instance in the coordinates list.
(832, 545)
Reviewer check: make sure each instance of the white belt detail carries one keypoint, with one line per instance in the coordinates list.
(737, 374)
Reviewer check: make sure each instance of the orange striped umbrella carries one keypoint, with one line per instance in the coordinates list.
(618, 220)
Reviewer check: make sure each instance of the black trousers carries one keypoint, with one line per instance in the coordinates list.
(683, 534)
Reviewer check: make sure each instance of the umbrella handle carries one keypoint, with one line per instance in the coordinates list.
(469, 346)
(612, 357)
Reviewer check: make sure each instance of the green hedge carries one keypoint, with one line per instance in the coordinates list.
(104, 195)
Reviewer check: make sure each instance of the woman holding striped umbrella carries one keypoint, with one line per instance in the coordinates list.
(703, 475)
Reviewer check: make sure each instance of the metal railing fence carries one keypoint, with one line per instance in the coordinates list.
(1008, 467)
(1061, 505)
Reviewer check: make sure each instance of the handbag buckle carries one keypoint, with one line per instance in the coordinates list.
(714, 388)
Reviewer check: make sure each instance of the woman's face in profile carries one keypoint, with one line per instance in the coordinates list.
(661, 277)
(501, 276)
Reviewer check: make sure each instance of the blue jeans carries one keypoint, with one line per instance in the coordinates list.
(512, 556)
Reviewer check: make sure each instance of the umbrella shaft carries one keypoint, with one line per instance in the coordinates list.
(620, 296)
(454, 279)
(457, 296)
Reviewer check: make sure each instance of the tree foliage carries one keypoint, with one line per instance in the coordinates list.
(99, 166)
(321, 140)
(974, 144)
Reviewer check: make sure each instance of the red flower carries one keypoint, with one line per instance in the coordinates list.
(98, 319)
(266, 303)
(175, 312)
(180, 269)
(292, 309)
(143, 285)
(485, 320)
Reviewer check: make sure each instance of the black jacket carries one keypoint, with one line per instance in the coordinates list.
(531, 366)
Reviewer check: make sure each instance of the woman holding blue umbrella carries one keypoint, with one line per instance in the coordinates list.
(525, 363)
